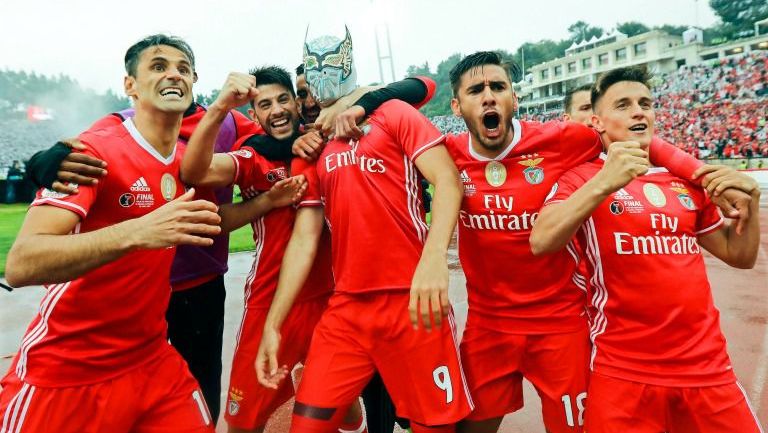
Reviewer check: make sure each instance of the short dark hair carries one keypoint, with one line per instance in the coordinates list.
(478, 59)
(273, 75)
(133, 53)
(568, 100)
(300, 70)
(638, 74)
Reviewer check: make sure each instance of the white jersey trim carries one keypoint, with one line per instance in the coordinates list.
(600, 298)
(36, 334)
(413, 199)
(76, 208)
(136, 135)
(714, 226)
(426, 147)
(237, 168)
(517, 135)
(749, 405)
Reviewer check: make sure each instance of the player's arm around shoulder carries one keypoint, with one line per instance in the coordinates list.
(564, 213)
(737, 243)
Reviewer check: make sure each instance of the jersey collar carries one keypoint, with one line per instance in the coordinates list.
(136, 135)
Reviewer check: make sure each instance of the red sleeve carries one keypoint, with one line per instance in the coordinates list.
(578, 144)
(249, 170)
(81, 202)
(107, 121)
(245, 126)
(678, 162)
(311, 197)
(568, 183)
(431, 86)
(414, 132)
(708, 218)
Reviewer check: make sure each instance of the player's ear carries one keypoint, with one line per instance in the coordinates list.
(597, 123)
(566, 117)
(129, 84)
(194, 77)
(456, 107)
(252, 115)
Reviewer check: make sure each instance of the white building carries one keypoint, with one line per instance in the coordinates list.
(583, 62)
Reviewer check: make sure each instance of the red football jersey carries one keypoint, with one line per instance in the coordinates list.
(656, 322)
(372, 194)
(271, 232)
(508, 288)
(112, 319)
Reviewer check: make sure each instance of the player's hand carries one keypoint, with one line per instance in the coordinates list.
(267, 370)
(429, 292)
(326, 121)
(287, 191)
(183, 221)
(308, 146)
(78, 169)
(346, 122)
(626, 160)
(717, 178)
(734, 204)
(239, 89)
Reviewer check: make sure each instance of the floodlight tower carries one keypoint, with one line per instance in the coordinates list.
(387, 56)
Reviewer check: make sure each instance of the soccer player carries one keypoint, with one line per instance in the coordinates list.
(388, 266)
(196, 309)
(96, 356)
(577, 105)
(524, 319)
(659, 360)
(270, 91)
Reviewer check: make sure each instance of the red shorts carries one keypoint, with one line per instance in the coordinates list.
(556, 364)
(160, 396)
(617, 405)
(362, 333)
(249, 404)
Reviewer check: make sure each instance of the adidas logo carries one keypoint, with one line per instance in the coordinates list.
(465, 177)
(622, 194)
(140, 185)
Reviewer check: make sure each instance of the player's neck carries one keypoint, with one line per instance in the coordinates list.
(160, 129)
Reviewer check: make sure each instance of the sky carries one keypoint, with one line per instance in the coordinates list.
(86, 39)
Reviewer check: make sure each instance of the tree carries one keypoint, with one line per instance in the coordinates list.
(741, 14)
(632, 28)
(581, 31)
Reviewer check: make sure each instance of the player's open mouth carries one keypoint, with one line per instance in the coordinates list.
(640, 127)
(491, 122)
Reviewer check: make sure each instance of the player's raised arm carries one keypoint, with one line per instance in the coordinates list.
(429, 287)
(297, 262)
(558, 221)
(48, 229)
(200, 166)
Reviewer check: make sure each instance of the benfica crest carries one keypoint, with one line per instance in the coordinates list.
(233, 402)
(683, 195)
(533, 174)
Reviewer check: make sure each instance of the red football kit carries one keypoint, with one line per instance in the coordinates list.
(372, 197)
(108, 325)
(517, 303)
(656, 327)
(249, 405)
